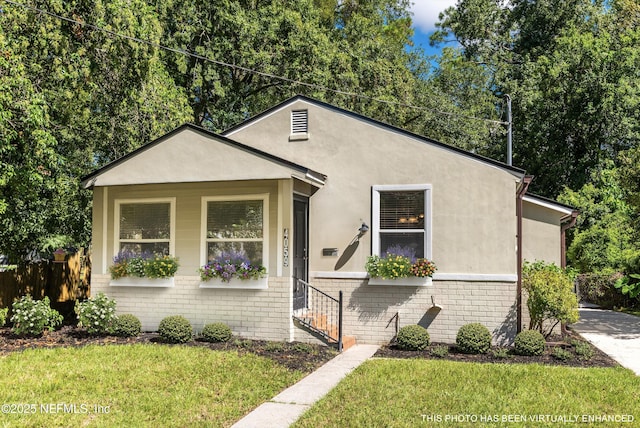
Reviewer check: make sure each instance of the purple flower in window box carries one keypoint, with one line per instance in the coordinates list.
(231, 265)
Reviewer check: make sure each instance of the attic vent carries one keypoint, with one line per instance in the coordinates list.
(299, 124)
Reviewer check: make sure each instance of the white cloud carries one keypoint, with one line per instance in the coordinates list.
(425, 13)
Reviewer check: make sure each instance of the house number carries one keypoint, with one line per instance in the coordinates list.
(285, 248)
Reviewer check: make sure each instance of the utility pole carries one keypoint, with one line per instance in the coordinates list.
(509, 131)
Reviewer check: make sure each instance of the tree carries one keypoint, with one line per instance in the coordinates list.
(28, 161)
(630, 182)
(460, 109)
(568, 67)
(326, 49)
(72, 99)
(603, 239)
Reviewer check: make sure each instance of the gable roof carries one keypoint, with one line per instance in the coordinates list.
(151, 162)
(520, 173)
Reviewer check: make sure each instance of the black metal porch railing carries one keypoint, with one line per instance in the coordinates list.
(322, 313)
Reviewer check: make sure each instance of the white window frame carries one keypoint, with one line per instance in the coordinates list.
(375, 208)
(172, 222)
(264, 197)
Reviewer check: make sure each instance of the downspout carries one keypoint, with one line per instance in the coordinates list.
(567, 222)
(524, 185)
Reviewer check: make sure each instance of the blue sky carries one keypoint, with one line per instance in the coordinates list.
(425, 16)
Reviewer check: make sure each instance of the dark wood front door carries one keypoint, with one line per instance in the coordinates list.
(300, 243)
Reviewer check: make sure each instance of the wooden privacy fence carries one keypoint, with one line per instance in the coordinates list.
(62, 282)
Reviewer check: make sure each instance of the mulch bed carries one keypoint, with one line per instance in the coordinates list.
(294, 356)
(300, 356)
(599, 359)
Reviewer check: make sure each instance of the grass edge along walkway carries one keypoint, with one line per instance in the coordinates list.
(409, 393)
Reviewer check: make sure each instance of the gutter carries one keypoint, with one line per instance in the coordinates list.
(566, 222)
(522, 190)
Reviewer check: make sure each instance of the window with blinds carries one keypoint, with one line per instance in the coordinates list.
(401, 219)
(144, 226)
(235, 229)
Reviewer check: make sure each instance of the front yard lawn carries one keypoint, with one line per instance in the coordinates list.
(418, 392)
(135, 385)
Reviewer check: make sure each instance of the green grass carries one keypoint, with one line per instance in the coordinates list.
(137, 385)
(635, 312)
(409, 393)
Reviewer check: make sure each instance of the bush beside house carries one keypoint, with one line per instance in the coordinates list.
(550, 296)
(473, 338)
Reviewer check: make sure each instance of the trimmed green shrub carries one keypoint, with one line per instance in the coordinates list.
(31, 317)
(127, 325)
(550, 296)
(529, 342)
(413, 338)
(3, 316)
(473, 338)
(175, 329)
(97, 315)
(216, 332)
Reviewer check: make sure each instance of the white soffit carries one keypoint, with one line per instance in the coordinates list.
(548, 204)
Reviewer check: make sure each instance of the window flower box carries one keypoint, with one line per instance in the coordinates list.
(414, 281)
(238, 284)
(143, 270)
(396, 268)
(133, 281)
(233, 270)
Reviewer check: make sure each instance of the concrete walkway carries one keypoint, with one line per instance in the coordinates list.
(286, 407)
(614, 333)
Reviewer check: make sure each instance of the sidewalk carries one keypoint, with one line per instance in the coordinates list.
(614, 333)
(286, 407)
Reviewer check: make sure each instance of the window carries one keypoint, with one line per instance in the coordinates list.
(402, 220)
(145, 226)
(235, 226)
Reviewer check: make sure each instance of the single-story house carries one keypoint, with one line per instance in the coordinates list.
(310, 191)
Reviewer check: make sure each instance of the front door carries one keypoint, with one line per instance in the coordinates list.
(300, 243)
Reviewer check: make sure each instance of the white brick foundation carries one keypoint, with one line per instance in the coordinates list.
(371, 312)
(254, 314)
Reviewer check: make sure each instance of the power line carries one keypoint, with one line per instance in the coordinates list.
(250, 70)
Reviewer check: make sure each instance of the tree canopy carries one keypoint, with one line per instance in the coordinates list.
(570, 68)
